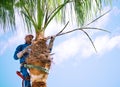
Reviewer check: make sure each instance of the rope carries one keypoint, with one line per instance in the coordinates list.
(31, 66)
(20, 75)
(23, 83)
(37, 67)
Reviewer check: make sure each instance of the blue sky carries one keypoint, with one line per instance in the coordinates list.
(76, 64)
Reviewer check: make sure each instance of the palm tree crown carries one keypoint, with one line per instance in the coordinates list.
(39, 13)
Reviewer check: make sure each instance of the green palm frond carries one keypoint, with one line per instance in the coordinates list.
(54, 12)
(90, 39)
(83, 30)
(27, 11)
(39, 13)
(7, 15)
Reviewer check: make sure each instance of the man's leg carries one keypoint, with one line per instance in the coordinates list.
(26, 76)
(27, 83)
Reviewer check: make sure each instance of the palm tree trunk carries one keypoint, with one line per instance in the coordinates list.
(39, 56)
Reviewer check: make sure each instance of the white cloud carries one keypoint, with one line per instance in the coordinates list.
(82, 47)
(103, 21)
(1, 47)
(116, 11)
(12, 41)
(1, 32)
(105, 43)
(67, 49)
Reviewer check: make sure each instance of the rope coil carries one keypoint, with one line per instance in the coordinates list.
(36, 67)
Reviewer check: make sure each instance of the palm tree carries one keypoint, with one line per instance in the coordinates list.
(37, 15)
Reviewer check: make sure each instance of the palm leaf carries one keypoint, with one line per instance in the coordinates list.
(97, 18)
(89, 39)
(7, 16)
(83, 30)
(41, 12)
(54, 12)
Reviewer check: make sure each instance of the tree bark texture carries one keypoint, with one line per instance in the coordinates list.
(39, 56)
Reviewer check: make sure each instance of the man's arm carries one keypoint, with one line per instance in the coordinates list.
(19, 52)
(18, 49)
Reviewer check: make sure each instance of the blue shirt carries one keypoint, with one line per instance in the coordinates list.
(21, 48)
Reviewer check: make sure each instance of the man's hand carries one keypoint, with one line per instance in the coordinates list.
(21, 53)
(26, 50)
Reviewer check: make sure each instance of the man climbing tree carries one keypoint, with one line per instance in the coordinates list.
(37, 15)
(21, 53)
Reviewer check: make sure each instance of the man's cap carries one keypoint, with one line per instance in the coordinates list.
(29, 35)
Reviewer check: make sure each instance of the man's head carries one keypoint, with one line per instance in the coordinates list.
(28, 38)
